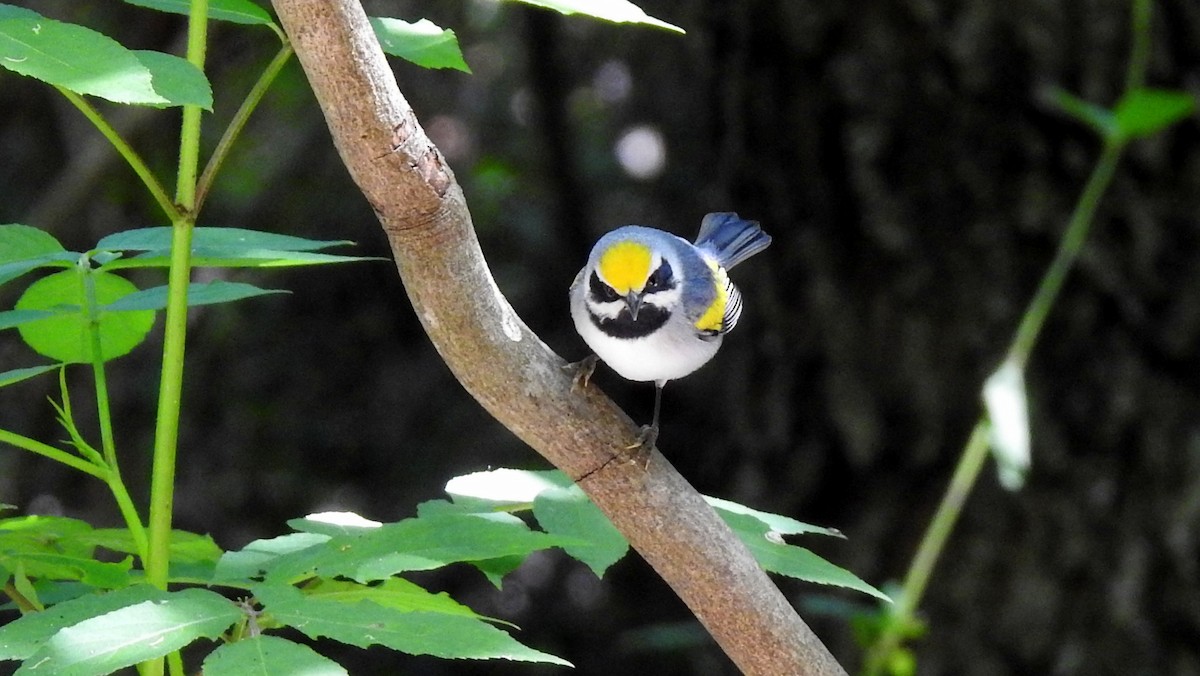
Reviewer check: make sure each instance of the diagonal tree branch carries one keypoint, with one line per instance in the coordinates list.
(509, 370)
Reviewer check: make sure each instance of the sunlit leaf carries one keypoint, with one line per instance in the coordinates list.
(133, 634)
(423, 43)
(269, 656)
(418, 633)
(778, 523)
(396, 593)
(23, 637)
(249, 562)
(775, 555)
(176, 79)
(617, 11)
(66, 337)
(75, 58)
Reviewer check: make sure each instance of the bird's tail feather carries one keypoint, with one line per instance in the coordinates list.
(731, 238)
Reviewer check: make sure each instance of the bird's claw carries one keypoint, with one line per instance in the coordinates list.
(640, 449)
(581, 372)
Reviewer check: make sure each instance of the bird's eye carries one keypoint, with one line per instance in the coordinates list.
(600, 291)
(660, 279)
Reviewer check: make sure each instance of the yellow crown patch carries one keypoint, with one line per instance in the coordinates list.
(625, 266)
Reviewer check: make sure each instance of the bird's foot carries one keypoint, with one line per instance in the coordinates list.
(581, 372)
(639, 450)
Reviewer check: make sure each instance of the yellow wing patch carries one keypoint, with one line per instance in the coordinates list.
(713, 318)
(625, 266)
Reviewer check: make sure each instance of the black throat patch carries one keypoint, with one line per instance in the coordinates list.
(650, 319)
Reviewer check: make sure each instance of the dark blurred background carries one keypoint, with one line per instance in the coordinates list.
(916, 189)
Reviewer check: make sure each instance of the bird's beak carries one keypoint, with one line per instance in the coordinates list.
(633, 301)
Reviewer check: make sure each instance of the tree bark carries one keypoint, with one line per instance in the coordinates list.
(510, 371)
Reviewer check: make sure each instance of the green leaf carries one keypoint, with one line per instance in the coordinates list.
(19, 242)
(75, 58)
(617, 11)
(17, 375)
(423, 543)
(568, 512)
(1144, 112)
(13, 318)
(269, 656)
(199, 293)
(177, 79)
(418, 633)
(235, 239)
(504, 487)
(251, 561)
(99, 574)
(184, 547)
(774, 555)
(221, 247)
(66, 337)
(23, 637)
(775, 522)
(23, 248)
(395, 593)
(423, 43)
(44, 535)
(1099, 118)
(233, 11)
(133, 634)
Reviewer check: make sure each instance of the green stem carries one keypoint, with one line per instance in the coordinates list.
(131, 157)
(116, 485)
(1139, 53)
(170, 389)
(166, 436)
(1068, 250)
(239, 122)
(58, 455)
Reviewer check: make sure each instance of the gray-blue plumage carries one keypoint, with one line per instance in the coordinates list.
(730, 238)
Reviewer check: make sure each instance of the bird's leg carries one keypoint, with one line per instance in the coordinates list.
(581, 371)
(649, 433)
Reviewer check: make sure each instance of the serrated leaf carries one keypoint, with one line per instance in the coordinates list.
(233, 11)
(423, 43)
(65, 337)
(199, 293)
(418, 633)
(99, 574)
(235, 239)
(413, 544)
(269, 656)
(775, 522)
(23, 637)
(395, 593)
(616, 11)
(75, 58)
(1144, 112)
(133, 634)
(1008, 412)
(774, 555)
(177, 80)
(504, 486)
(17, 375)
(184, 547)
(244, 565)
(568, 512)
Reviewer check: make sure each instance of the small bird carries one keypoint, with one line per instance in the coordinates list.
(655, 307)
